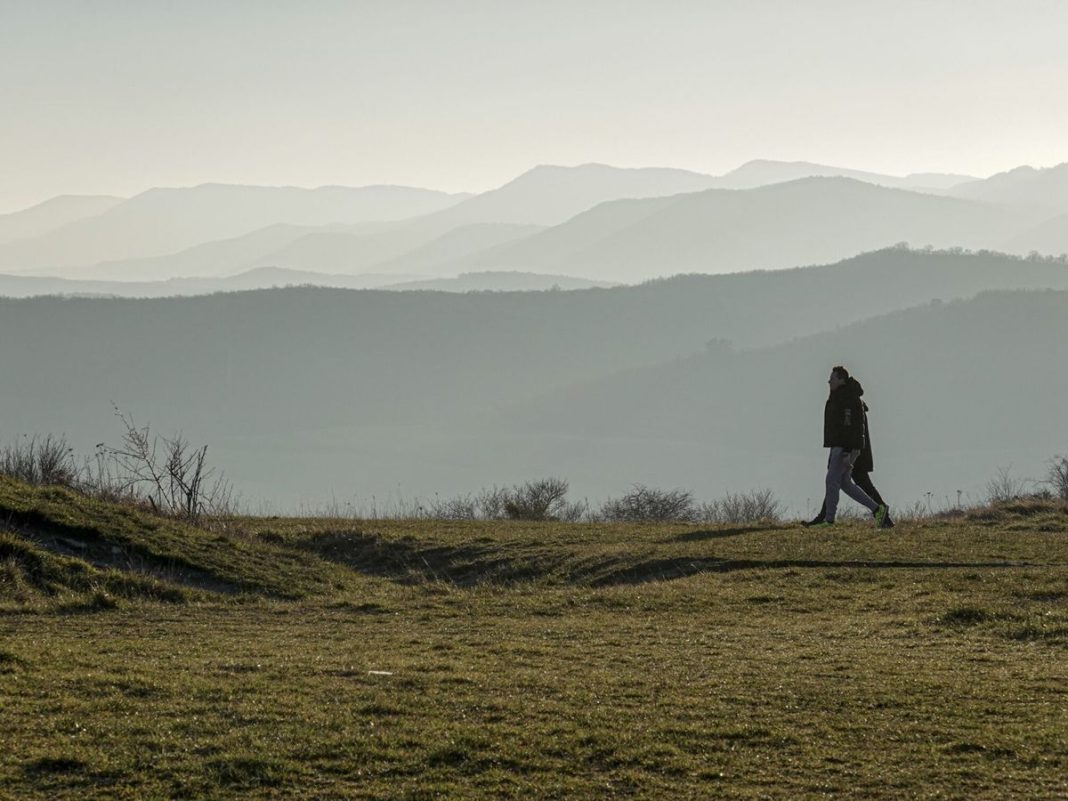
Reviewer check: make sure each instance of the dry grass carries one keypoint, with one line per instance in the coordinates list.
(549, 660)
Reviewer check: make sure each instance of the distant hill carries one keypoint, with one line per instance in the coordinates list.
(499, 282)
(403, 249)
(549, 194)
(771, 227)
(1049, 237)
(24, 286)
(1024, 187)
(439, 256)
(219, 257)
(305, 389)
(762, 172)
(52, 214)
(162, 221)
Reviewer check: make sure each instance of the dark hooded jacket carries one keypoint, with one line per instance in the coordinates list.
(864, 462)
(843, 418)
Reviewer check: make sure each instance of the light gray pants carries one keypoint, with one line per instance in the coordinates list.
(839, 477)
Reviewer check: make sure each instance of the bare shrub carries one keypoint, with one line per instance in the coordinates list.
(644, 504)
(1004, 487)
(462, 507)
(742, 507)
(41, 460)
(169, 473)
(1058, 477)
(489, 503)
(544, 499)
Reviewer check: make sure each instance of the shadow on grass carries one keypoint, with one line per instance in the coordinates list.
(666, 569)
(408, 561)
(720, 533)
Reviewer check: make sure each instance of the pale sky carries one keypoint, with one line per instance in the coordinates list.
(114, 97)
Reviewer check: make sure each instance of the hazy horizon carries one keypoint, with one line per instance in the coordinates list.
(113, 99)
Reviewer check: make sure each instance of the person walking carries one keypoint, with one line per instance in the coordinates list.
(862, 467)
(843, 433)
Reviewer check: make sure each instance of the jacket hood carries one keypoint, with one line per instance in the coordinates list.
(854, 386)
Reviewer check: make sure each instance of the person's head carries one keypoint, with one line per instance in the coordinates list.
(839, 376)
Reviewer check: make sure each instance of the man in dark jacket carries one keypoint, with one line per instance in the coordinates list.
(843, 433)
(862, 467)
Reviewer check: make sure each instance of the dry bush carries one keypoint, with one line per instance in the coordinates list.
(462, 507)
(742, 507)
(1058, 477)
(166, 474)
(644, 504)
(41, 460)
(169, 473)
(544, 499)
(1004, 487)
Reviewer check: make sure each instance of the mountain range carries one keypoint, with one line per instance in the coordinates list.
(771, 227)
(593, 221)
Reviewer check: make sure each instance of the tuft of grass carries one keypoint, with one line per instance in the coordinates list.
(10, 663)
(967, 616)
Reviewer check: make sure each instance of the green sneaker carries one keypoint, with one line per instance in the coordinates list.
(824, 524)
(880, 515)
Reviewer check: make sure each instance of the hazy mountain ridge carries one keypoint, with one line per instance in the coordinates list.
(22, 286)
(404, 249)
(499, 282)
(1044, 189)
(762, 172)
(1049, 237)
(163, 221)
(550, 194)
(220, 257)
(599, 217)
(770, 227)
(51, 214)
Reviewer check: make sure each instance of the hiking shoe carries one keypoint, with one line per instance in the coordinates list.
(880, 515)
(823, 524)
(813, 522)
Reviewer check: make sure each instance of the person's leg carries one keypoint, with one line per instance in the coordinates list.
(822, 516)
(837, 469)
(855, 492)
(863, 480)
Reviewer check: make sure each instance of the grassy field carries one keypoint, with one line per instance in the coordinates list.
(322, 659)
